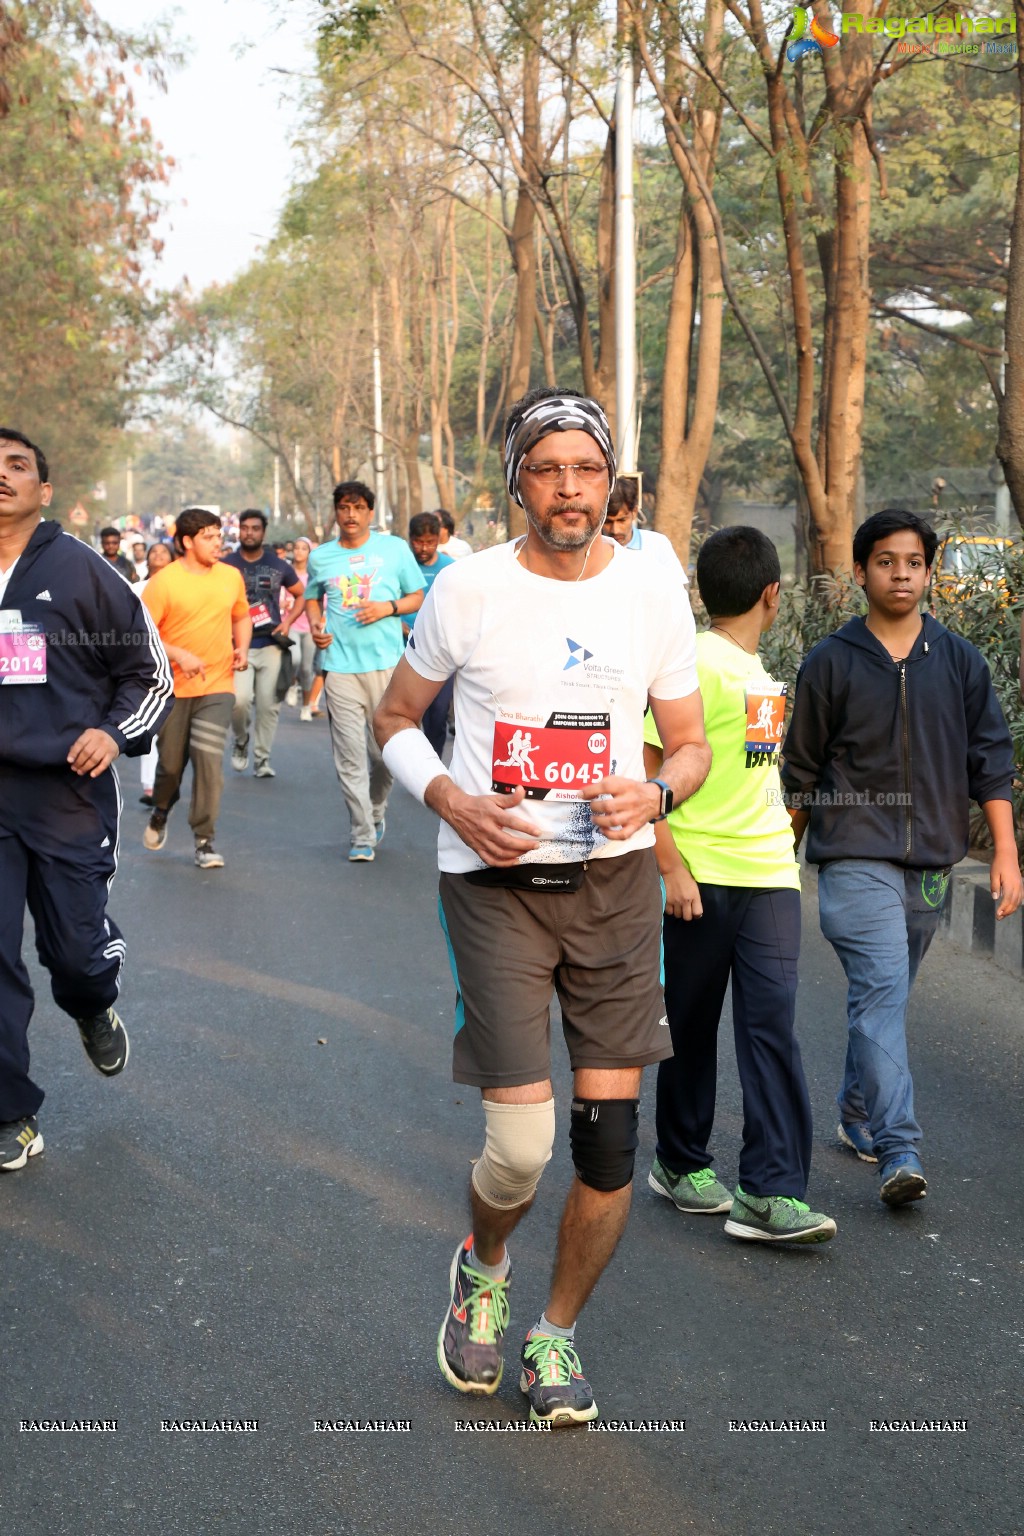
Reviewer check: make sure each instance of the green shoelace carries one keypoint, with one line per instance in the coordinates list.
(487, 1305)
(702, 1178)
(554, 1358)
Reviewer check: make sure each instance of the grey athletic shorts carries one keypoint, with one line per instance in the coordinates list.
(598, 948)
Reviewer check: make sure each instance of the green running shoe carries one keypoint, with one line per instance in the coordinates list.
(777, 1219)
(559, 1392)
(698, 1194)
(469, 1343)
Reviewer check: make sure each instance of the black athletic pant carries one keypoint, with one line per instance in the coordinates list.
(752, 936)
(58, 852)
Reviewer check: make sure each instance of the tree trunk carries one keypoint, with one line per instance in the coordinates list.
(844, 365)
(1010, 447)
(688, 421)
(604, 369)
(523, 246)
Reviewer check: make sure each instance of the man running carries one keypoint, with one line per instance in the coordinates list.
(563, 633)
(368, 582)
(83, 680)
(200, 607)
(621, 525)
(264, 574)
(110, 544)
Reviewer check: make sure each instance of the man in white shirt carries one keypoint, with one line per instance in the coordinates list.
(622, 527)
(562, 638)
(448, 544)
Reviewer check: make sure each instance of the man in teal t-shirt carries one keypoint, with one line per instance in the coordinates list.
(359, 589)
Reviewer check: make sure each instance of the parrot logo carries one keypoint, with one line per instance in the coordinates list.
(819, 38)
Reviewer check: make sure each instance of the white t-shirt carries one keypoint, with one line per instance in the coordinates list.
(650, 543)
(5, 577)
(456, 549)
(552, 679)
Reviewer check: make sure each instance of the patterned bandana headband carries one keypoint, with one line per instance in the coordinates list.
(557, 413)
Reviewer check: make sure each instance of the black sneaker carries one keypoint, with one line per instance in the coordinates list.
(207, 856)
(105, 1041)
(155, 834)
(469, 1344)
(19, 1140)
(559, 1392)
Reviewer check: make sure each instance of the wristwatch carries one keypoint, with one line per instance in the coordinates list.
(666, 799)
(394, 607)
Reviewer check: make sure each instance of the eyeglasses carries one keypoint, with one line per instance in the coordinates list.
(550, 474)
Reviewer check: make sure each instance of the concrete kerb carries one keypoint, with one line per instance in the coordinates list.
(969, 919)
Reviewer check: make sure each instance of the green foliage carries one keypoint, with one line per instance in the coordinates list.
(989, 615)
(79, 180)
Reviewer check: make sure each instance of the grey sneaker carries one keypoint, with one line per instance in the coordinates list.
(19, 1140)
(777, 1219)
(698, 1194)
(264, 771)
(207, 856)
(469, 1343)
(553, 1380)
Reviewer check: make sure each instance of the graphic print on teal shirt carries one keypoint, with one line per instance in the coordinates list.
(381, 570)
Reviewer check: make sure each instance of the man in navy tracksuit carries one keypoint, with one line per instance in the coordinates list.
(83, 680)
(896, 728)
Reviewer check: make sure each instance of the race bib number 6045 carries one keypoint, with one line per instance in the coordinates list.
(554, 761)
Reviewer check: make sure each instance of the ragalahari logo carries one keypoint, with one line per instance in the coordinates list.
(809, 36)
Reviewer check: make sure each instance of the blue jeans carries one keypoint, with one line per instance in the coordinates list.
(880, 919)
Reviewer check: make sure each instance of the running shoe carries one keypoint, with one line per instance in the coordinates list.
(559, 1392)
(305, 714)
(19, 1140)
(380, 827)
(360, 855)
(469, 1343)
(147, 799)
(856, 1134)
(240, 759)
(105, 1041)
(777, 1219)
(207, 856)
(264, 771)
(902, 1179)
(291, 698)
(155, 834)
(698, 1194)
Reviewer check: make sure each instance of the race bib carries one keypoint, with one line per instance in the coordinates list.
(554, 761)
(261, 615)
(766, 717)
(22, 649)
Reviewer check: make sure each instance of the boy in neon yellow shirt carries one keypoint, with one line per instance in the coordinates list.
(732, 909)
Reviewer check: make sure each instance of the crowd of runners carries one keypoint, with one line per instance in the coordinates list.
(620, 802)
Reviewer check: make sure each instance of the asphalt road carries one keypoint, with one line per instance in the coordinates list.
(256, 1221)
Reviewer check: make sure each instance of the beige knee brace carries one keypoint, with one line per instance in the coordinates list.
(518, 1145)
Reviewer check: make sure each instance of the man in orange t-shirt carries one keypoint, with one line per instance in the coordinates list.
(200, 608)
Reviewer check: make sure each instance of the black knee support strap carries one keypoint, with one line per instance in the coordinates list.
(604, 1135)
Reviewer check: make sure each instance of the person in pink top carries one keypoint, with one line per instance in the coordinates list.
(299, 630)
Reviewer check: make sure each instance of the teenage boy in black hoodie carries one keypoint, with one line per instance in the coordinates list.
(895, 728)
(83, 680)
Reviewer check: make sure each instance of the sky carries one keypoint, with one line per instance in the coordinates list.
(226, 120)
